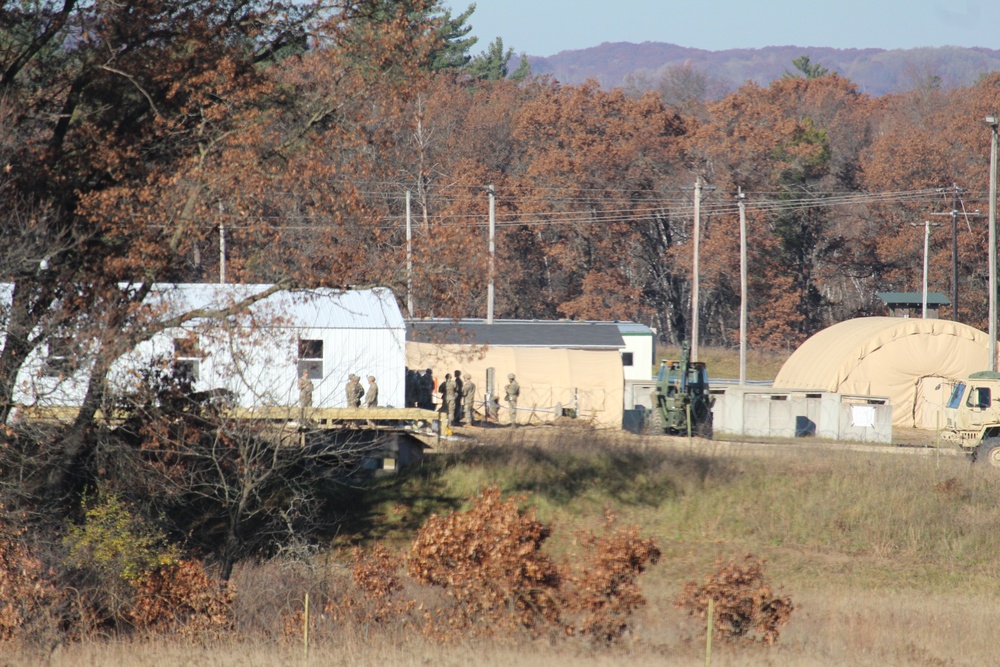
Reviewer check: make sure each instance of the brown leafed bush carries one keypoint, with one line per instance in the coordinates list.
(603, 590)
(25, 592)
(745, 607)
(488, 560)
(182, 598)
(376, 575)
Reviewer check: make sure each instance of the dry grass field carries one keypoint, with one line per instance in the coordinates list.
(889, 559)
(890, 555)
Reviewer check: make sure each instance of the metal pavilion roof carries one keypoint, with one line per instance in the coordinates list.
(517, 333)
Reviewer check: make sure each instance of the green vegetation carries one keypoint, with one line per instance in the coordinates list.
(116, 542)
(725, 362)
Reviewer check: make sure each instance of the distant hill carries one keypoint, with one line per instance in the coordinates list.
(875, 71)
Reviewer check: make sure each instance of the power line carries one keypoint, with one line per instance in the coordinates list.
(655, 209)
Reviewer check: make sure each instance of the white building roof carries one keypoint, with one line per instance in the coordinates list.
(326, 308)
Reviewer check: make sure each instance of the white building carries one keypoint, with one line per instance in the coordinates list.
(640, 350)
(257, 355)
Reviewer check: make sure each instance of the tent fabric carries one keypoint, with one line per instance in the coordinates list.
(907, 360)
(591, 381)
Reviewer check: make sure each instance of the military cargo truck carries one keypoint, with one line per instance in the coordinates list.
(972, 417)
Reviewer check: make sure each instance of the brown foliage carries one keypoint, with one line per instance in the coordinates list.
(603, 590)
(376, 575)
(25, 591)
(182, 599)
(745, 606)
(489, 561)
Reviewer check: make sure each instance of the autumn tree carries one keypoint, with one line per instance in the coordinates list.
(940, 144)
(156, 122)
(794, 143)
(595, 165)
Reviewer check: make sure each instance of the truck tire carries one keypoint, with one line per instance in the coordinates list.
(987, 452)
(654, 421)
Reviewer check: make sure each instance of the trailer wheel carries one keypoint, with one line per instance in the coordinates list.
(988, 452)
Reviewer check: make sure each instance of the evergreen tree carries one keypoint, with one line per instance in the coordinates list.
(806, 69)
(454, 50)
(523, 70)
(491, 65)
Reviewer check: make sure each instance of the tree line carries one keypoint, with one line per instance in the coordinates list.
(136, 133)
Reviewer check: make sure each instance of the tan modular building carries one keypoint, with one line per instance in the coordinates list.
(911, 361)
(563, 368)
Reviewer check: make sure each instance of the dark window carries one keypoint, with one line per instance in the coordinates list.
(979, 397)
(187, 358)
(61, 360)
(626, 359)
(311, 358)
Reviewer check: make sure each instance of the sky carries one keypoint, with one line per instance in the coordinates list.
(546, 27)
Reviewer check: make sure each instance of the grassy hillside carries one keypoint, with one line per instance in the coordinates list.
(889, 558)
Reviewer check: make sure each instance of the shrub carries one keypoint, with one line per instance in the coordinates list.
(603, 590)
(182, 598)
(128, 575)
(376, 574)
(489, 562)
(25, 593)
(117, 543)
(745, 607)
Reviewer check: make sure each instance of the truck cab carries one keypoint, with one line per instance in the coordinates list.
(972, 416)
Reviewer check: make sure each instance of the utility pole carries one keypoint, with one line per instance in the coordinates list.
(927, 241)
(409, 258)
(222, 247)
(696, 266)
(954, 213)
(493, 229)
(741, 200)
(992, 121)
(695, 269)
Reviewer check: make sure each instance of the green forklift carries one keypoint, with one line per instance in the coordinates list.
(681, 404)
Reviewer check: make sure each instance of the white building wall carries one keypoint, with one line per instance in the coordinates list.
(258, 361)
(641, 347)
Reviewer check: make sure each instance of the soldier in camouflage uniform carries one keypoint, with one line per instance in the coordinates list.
(457, 407)
(512, 390)
(448, 398)
(468, 397)
(354, 391)
(305, 390)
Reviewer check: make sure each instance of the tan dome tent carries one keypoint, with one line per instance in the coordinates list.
(911, 361)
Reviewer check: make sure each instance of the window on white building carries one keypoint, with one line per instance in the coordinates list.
(187, 358)
(311, 358)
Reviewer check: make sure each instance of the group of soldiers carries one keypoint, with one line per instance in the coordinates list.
(419, 389)
(353, 390)
(458, 394)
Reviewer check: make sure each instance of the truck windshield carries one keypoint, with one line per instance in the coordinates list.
(956, 395)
